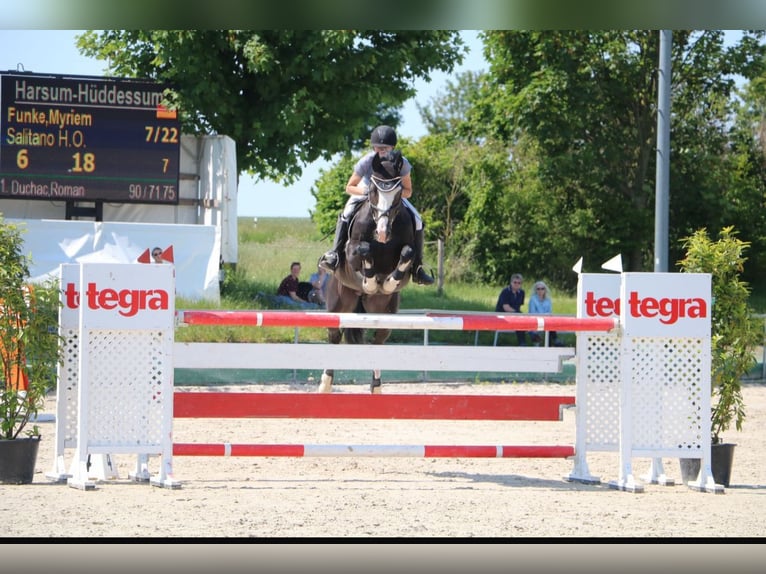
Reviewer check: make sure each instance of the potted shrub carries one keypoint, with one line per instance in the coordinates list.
(29, 354)
(735, 334)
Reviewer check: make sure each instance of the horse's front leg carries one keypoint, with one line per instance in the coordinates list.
(394, 279)
(369, 279)
(376, 384)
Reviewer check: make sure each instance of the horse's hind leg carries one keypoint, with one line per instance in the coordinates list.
(325, 383)
(375, 385)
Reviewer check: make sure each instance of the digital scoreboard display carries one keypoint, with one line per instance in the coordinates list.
(79, 138)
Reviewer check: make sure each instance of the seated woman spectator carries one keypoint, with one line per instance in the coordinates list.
(294, 292)
(540, 303)
(318, 292)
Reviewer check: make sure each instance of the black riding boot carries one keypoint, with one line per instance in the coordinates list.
(329, 261)
(418, 273)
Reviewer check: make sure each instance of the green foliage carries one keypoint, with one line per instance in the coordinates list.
(286, 97)
(441, 182)
(548, 156)
(330, 194)
(735, 331)
(29, 341)
(745, 196)
(580, 106)
(447, 113)
(536, 163)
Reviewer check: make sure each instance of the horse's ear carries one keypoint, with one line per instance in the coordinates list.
(397, 161)
(377, 164)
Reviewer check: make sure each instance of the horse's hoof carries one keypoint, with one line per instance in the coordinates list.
(390, 285)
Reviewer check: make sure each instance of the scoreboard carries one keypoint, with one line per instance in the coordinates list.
(82, 138)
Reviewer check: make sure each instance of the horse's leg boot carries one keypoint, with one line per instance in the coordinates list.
(418, 273)
(329, 261)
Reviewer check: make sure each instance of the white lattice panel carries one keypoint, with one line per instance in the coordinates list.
(126, 371)
(118, 371)
(667, 382)
(599, 373)
(66, 388)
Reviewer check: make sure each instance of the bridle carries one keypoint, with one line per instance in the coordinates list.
(390, 192)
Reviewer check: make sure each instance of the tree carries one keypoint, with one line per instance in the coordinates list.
(446, 113)
(286, 97)
(329, 191)
(746, 192)
(735, 330)
(587, 102)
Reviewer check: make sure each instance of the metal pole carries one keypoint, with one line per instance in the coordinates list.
(440, 255)
(656, 472)
(662, 183)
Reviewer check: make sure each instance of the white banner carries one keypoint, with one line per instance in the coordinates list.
(666, 304)
(195, 249)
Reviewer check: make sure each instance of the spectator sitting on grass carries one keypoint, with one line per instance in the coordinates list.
(540, 303)
(318, 281)
(510, 300)
(291, 288)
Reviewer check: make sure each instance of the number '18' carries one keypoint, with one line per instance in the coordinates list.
(84, 162)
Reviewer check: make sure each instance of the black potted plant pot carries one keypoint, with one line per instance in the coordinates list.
(17, 460)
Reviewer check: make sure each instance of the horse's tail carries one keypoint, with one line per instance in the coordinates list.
(355, 335)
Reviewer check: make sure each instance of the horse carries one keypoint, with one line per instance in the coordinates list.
(375, 264)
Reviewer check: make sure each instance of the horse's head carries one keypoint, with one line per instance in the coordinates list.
(385, 193)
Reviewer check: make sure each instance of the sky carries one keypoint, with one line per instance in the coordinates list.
(54, 52)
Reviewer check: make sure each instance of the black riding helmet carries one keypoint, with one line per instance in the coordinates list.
(383, 135)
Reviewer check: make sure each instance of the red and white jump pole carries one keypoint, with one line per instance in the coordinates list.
(431, 321)
(340, 450)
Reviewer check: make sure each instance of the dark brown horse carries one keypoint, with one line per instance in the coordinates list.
(375, 265)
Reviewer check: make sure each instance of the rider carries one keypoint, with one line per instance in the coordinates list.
(383, 141)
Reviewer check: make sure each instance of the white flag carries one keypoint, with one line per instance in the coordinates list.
(614, 264)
